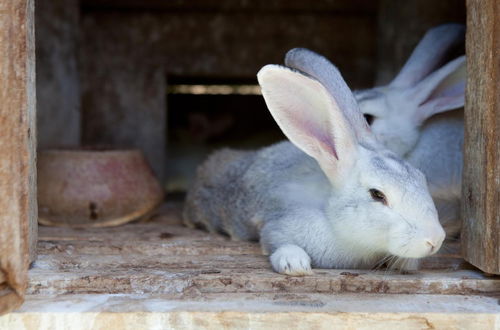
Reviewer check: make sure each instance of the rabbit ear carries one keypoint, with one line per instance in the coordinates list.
(311, 118)
(441, 91)
(328, 75)
(430, 53)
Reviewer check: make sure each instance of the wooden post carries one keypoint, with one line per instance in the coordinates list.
(481, 183)
(18, 210)
(58, 90)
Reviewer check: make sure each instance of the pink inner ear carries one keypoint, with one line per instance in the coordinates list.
(438, 105)
(451, 91)
(442, 102)
(323, 139)
(328, 146)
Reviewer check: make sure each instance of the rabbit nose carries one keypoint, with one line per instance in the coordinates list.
(431, 245)
(434, 243)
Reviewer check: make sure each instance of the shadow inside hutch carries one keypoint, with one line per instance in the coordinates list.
(207, 114)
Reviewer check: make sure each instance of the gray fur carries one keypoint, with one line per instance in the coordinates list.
(278, 195)
(309, 203)
(401, 112)
(438, 154)
(238, 192)
(321, 69)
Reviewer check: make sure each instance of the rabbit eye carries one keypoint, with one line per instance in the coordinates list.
(369, 118)
(378, 196)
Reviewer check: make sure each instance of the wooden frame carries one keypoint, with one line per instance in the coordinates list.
(481, 177)
(18, 209)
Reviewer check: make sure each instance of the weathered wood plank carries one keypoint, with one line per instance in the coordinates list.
(257, 311)
(207, 45)
(17, 148)
(161, 261)
(165, 259)
(185, 247)
(164, 234)
(58, 90)
(9, 299)
(190, 247)
(181, 281)
(263, 302)
(481, 183)
(356, 7)
(162, 256)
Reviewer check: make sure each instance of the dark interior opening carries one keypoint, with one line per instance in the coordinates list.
(207, 114)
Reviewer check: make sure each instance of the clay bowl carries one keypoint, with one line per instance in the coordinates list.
(95, 188)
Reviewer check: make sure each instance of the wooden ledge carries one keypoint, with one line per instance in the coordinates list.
(160, 270)
(262, 311)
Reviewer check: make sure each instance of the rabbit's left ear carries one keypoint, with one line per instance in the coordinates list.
(441, 91)
(312, 118)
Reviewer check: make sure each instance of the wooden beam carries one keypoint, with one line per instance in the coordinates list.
(18, 208)
(256, 311)
(481, 183)
(283, 6)
(58, 90)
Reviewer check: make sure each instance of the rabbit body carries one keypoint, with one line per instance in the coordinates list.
(280, 196)
(253, 193)
(332, 197)
(252, 187)
(438, 154)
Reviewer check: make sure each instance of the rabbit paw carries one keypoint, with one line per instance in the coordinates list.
(291, 260)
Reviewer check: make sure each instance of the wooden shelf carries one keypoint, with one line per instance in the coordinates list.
(167, 270)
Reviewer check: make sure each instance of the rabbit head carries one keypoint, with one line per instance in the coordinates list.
(422, 89)
(378, 204)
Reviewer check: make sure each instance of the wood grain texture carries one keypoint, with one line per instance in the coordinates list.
(255, 311)
(481, 183)
(283, 6)
(18, 208)
(58, 90)
(163, 257)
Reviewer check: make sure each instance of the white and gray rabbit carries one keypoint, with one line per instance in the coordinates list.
(332, 197)
(411, 115)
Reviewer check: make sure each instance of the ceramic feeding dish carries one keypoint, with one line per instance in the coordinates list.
(95, 188)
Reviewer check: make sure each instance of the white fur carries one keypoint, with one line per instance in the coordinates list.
(352, 225)
(291, 260)
(400, 113)
(408, 112)
(308, 201)
(410, 120)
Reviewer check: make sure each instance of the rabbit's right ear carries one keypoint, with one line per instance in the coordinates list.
(311, 119)
(321, 69)
(441, 91)
(430, 54)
